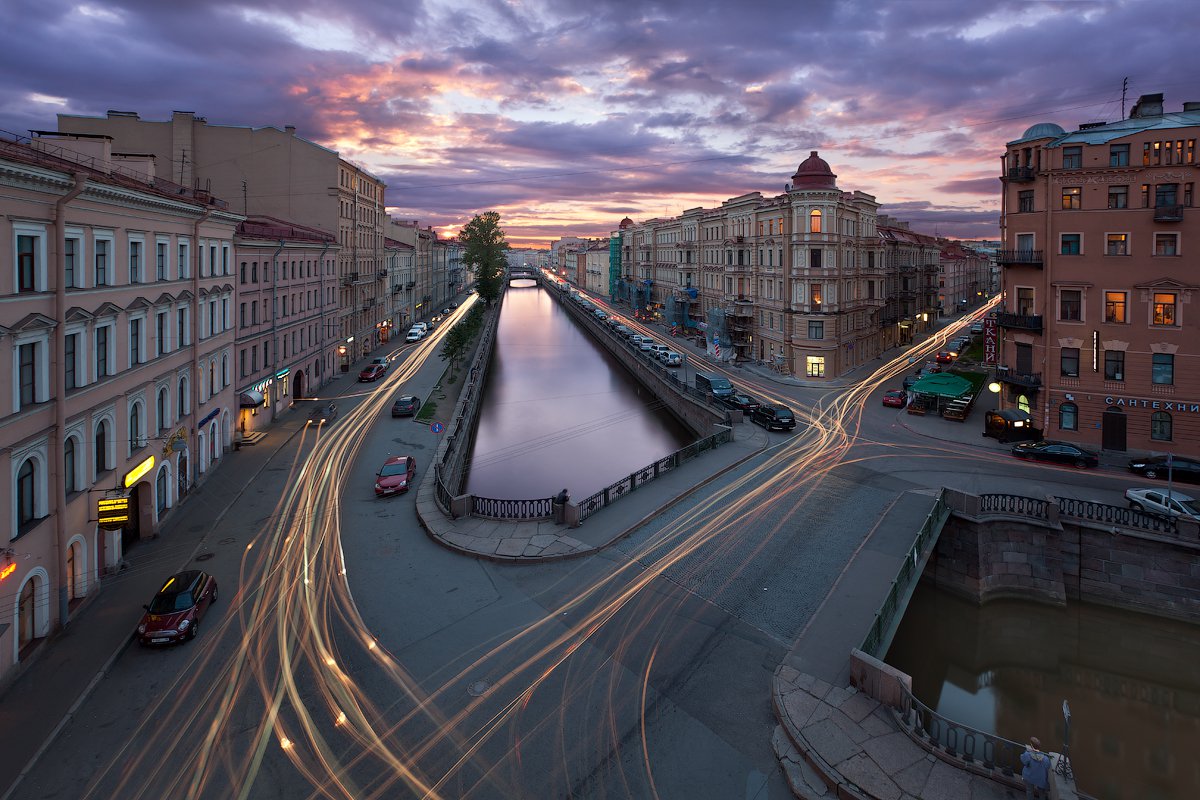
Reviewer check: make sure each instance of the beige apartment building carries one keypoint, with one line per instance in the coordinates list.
(1096, 338)
(271, 172)
(117, 332)
(796, 281)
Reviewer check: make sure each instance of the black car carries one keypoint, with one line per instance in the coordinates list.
(405, 406)
(773, 417)
(1056, 453)
(325, 412)
(1181, 469)
(742, 402)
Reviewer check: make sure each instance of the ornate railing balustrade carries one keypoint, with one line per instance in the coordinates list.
(985, 750)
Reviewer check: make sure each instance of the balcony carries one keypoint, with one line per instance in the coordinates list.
(1020, 322)
(737, 267)
(1025, 258)
(383, 273)
(1021, 174)
(1026, 380)
(1168, 213)
(349, 278)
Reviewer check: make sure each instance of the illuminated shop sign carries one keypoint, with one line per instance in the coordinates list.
(1177, 406)
(112, 513)
(141, 469)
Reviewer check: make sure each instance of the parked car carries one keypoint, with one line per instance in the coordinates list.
(1056, 453)
(600, 315)
(446, 311)
(454, 304)
(372, 372)
(671, 358)
(395, 476)
(895, 398)
(1180, 469)
(646, 344)
(657, 348)
(944, 357)
(742, 402)
(773, 417)
(406, 405)
(1156, 501)
(635, 339)
(623, 330)
(175, 612)
(381, 360)
(716, 385)
(414, 335)
(976, 327)
(325, 412)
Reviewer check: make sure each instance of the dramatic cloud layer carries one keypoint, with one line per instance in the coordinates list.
(567, 116)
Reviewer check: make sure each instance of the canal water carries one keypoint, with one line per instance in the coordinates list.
(1132, 682)
(558, 411)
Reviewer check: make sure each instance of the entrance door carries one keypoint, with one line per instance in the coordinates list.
(1113, 433)
(133, 528)
(298, 386)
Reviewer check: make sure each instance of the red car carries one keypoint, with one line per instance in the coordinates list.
(895, 398)
(373, 372)
(395, 476)
(944, 357)
(174, 613)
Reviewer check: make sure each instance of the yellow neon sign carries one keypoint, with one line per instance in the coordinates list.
(7, 570)
(141, 469)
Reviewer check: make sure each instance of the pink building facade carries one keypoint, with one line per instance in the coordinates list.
(1098, 338)
(116, 329)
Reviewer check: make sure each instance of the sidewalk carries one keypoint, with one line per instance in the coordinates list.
(42, 700)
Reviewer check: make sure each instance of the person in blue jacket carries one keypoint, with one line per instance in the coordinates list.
(1035, 770)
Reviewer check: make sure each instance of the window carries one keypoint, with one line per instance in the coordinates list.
(1070, 244)
(1166, 194)
(1164, 308)
(27, 372)
(1072, 197)
(71, 263)
(1114, 307)
(26, 495)
(1162, 369)
(102, 352)
(1072, 157)
(814, 259)
(160, 258)
(184, 407)
(164, 412)
(135, 262)
(1069, 362)
(1160, 426)
(1145, 195)
(160, 333)
(135, 426)
(1068, 417)
(184, 269)
(102, 446)
(135, 342)
(1114, 365)
(1070, 303)
(1118, 244)
(814, 366)
(27, 263)
(814, 295)
(1166, 244)
(816, 329)
(1118, 155)
(70, 478)
(1025, 200)
(70, 354)
(101, 262)
(814, 221)
(1118, 197)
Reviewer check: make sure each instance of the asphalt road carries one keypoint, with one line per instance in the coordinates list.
(351, 657)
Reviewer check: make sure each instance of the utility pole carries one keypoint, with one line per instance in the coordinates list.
(1124, 89)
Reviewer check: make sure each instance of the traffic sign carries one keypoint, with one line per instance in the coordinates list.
(437, 427)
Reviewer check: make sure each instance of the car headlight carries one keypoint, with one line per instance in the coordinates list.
(377, 486)
(1137, 464)
(183, 626)
(142, 628)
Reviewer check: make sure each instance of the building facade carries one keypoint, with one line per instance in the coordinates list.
(117, 332)
(1096, 337)
(287, 321)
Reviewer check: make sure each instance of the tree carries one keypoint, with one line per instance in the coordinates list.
(483, 251)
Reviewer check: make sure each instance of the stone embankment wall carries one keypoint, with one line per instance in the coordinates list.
(988, 556)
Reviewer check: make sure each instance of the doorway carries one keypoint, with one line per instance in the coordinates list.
(133, 528)
(1113, 430)
(298, 387)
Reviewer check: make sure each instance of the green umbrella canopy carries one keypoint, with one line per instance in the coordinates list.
(942, 384)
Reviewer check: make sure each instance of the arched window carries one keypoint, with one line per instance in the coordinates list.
(26, 617)
(26, 494)
(1023, 403)
(814, 221)
(184, 406)
(1161, 426)
(135, 426)
(70, 483)
(225, 370)
(160, 492)
(101, 446)
(212, 377)
(163, 412)
(1068, 417)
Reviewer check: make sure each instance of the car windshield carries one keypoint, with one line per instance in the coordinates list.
(170, 603)
(1188, 507)
(399, 468)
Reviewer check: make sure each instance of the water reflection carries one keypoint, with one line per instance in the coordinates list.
(1133, 683)
(560, 412)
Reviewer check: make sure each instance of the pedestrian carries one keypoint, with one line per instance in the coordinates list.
(1035, 770)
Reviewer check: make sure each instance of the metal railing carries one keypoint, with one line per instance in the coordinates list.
(1116, 515)
(630, 483)
(1014, 504)
(909, 573)
(960, 741)
(492, 508)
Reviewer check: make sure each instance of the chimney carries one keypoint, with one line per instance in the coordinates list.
(129, 114)
(1191, 105)
(1148, 105)
(90, 150)
(290, 129)
(139, 166)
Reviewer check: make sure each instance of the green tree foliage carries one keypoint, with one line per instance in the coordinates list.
(484, 252)
(458, 340)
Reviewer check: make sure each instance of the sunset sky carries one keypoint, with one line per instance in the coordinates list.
(567, 116)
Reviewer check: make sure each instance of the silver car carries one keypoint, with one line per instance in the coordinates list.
(1157, 501)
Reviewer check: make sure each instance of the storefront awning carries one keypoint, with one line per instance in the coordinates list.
(250, 399)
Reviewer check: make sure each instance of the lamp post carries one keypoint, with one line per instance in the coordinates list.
(1063, 767)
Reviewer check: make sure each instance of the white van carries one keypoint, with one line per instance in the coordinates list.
(657, 348)
(424, 328)
(415, 334)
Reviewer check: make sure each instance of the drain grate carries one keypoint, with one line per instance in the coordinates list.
(204, 556)
(478, 688)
